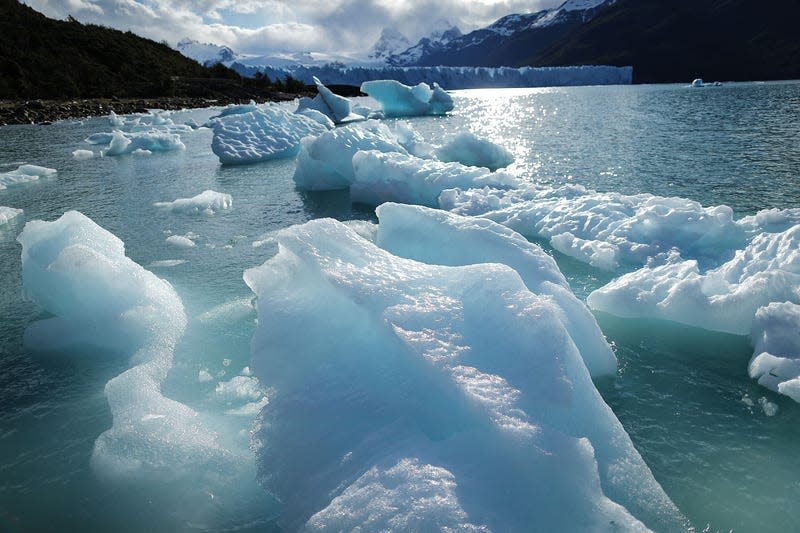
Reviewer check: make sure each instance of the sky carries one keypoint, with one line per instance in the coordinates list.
(260, 26)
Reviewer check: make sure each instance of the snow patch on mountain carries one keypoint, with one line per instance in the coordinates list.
(205, 53)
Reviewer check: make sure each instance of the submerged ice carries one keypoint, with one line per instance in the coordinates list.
(25, 174)
(430, 367)
(207, 202)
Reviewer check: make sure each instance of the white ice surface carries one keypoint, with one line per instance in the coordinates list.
(82, 155)
(207, 202)
(381, 176)
(268, 132)
(438, 237)
(776, 342)
(7, 214)
(128, 142)
(337, 108)
(417, 393)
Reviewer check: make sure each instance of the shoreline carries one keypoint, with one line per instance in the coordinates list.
(45, 112)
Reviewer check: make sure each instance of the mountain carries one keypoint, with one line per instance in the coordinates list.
(508, 41)
(206, 53)
(442, 35)
(389, 43)
(681, 40)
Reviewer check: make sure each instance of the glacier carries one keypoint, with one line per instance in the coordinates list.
(430, 367)
(451, 77)
(268, 132)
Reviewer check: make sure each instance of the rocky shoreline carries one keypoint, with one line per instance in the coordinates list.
(49, 111)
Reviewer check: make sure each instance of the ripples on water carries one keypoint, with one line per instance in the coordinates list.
(682, 394)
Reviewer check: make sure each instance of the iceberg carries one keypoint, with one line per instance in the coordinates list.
(207, 202)
(722, 299)
(268, 132)
(776, 355)
(416, 232)
(468, 149)
(398, 100)
(7, 214)
(153, 140)
(333, 106)
(406, 373)
(82, 155)
(326, 162)
(610, 230)
(25, 174)
(397, 177)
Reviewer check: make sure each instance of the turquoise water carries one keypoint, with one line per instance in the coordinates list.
(681, 393)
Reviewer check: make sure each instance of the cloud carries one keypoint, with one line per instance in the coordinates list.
(251, 26)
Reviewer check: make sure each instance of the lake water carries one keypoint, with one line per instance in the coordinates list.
(682, 393)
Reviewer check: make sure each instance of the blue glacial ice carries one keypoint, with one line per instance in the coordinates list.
(326, 162)
(268, 132)
(207, 202)
(468, 149)
(406, 372)
(25, 174)
(416, 232)
(398, 100)
(98, 297)
(337, 108)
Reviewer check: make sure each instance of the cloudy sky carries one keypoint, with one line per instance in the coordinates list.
(258, 26)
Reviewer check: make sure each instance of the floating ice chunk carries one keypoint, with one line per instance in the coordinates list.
(326, 162)
(153, 140)
(78, 272)
(181, 241)
(723, 299)
(140, 151)
(239, 389)
(7, 214)
(237, 109)
(317, 116)
(230, 311)
(268, 132)
(207, 202)
(776, 355)
(99, 138)
(25, 174)
(115, 120)
(398, 100)
(467, 149)
(609, 228)
(460, 375)
(412, 140)
(396, 177)
(437, 237)
(767, 407)
(167, 263)
(204, 377)
(697, 82)
(82, 155)
(333, 106)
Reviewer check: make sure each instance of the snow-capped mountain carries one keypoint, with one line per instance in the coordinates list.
(442, 34)
(508, 39)
(205, 53)
(389, 43)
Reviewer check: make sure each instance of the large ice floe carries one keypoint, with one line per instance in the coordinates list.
(609, 230)
(398, 100)
(25, 174)
(207, 202)
(78, 272)
(121, 142)
(337, 108)
(264, 133)
(407, 372)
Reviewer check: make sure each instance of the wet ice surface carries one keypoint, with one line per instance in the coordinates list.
(709, 433)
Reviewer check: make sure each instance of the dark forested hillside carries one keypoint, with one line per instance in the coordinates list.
(46, 58)
(680, 40)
